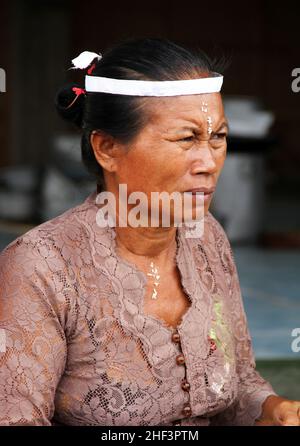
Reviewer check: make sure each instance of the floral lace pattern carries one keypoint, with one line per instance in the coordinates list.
(80, 351)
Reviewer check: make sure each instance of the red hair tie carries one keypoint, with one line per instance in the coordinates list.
(78, 91)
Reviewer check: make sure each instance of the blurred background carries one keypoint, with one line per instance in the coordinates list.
(257, 198)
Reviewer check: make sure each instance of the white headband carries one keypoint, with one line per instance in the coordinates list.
(145, 88)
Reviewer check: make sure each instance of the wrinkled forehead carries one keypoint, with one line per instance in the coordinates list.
(194, 108)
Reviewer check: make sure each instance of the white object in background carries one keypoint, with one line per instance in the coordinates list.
(252, 126)
(246, 118)
(239, 198)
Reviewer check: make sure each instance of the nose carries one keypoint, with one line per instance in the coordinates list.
(204, 160)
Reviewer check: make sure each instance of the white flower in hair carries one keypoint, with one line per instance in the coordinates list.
(85, 59)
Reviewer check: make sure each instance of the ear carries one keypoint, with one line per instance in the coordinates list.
(105, 149)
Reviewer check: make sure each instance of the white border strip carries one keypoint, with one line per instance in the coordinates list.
(153, 88)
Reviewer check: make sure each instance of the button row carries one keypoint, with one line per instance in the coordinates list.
(176, 337)
(180, 359)
(187, 410)
(185, 385)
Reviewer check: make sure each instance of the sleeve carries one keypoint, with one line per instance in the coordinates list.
(252, 388)
(32, 332)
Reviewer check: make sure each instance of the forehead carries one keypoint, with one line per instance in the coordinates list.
(189, 108)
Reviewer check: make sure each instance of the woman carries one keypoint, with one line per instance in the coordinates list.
(124, 324)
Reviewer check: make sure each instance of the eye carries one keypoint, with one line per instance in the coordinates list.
(187, 138)
(219, 135)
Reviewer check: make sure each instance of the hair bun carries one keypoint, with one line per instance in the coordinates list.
(70, 105)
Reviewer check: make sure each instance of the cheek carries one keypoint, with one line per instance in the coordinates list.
(170, 166)
(133, 165)
(220, 159)
(153, 168)
(223, 155)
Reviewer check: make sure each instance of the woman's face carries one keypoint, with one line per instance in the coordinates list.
(182, 147)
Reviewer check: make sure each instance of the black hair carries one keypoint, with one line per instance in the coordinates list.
(123, 116)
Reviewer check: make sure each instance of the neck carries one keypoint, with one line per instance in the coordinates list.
(157, 243)
(153, 243)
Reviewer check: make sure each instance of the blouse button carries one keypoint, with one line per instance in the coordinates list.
(213, 345)
(185, 385)
(180, 359)
(187, 411)
(175, 337)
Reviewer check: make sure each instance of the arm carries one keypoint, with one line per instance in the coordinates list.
(32, 319)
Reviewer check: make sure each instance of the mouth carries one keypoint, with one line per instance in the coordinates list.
(206, 192)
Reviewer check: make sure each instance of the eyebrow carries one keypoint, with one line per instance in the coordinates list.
(223, 125)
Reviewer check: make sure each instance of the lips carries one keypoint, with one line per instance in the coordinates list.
(206, 190)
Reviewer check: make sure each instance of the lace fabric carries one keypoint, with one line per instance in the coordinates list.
(81, 351)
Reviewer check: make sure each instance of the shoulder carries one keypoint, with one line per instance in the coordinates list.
(38, 269)
(53, 238)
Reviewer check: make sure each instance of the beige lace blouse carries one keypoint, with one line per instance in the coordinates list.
(77, 349)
